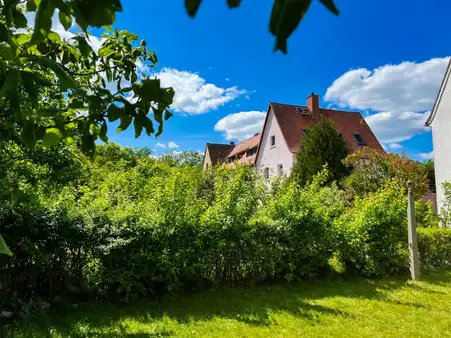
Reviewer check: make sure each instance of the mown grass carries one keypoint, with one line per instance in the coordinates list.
(391, 307)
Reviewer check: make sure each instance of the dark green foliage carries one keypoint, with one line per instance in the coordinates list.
(430, 172)
(372, 234)
(322, 145)
(434, 245)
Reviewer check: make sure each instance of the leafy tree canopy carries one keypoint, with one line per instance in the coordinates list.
(372, 168)
(322, 145)
(54, 89)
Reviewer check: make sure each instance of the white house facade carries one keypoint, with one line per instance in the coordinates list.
(274, 157)
(285, 126)
(440, 121)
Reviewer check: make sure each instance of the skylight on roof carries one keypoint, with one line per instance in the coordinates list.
(302, 110)
(359, 140)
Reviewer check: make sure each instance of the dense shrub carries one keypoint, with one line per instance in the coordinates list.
(372, 234)
(434, 246)
(50, 249)
(130, 225)
(301, 221)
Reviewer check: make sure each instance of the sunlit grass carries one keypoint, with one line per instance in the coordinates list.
(391, 307)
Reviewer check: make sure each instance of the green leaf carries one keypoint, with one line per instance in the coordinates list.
(138, 124)
(330, 6)
(65, 79)
(83, 46)
(291, 15)
(167, 115)
(43, 21)
(10, 88)
(126, 119)
(54, 37)
(65, 19)
(5, 51)
(148, 90)
(96, 13)
(148, 125)
(87, 144)
(114, 112)
(29, 133)
(275, 16)
(103, 132)
(23, 39)
(4, 250)
(192, 6)
(52, 137)
(31, 5)
(19, 19)
(76, 105)
(28, 80)
(233, 3)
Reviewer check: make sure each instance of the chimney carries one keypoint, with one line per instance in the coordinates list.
(232, 143)
(313, 105)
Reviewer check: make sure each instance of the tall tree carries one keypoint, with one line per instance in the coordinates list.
(322, 145)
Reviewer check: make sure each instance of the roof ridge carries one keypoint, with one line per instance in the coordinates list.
(247, 139)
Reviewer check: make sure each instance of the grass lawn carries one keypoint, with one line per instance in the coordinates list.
(390, 307)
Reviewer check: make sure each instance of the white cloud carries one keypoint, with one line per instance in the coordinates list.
(193, 95)
(390, 127)
(426, 156)
(160, 145)
(172, 145)
(241, 125)
(394, 146)
(400, 94)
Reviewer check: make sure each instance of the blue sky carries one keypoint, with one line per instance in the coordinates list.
(383, 58)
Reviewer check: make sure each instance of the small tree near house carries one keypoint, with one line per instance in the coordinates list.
(322, 145)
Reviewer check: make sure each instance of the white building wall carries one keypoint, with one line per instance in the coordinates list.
(272, 156)
(207, 160)
(441, 135)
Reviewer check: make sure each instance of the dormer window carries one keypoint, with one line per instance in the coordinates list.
(359, 140)
(302, 110)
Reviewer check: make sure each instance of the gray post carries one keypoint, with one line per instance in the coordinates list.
(412, 228)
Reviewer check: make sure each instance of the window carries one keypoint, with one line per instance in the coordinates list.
(266, 172)
(273, 141)
(280, 169)
(359, 140)
(251, 152)
(302, 110)
(304, 132)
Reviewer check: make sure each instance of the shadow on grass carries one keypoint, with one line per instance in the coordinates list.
(252, 306)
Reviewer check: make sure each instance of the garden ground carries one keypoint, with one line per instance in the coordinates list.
(339, 307)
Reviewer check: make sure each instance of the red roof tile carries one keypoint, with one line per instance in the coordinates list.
(218, 152)
(250, 143)
(291, 124)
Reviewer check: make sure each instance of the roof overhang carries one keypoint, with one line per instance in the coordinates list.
(439, 95)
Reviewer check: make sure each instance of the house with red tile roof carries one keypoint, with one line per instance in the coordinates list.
(273, 151)
(231, 154)
(285, 126)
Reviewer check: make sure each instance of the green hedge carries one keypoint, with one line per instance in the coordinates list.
(434, 245)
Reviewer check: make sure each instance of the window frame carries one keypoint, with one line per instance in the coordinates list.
(361, 142)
